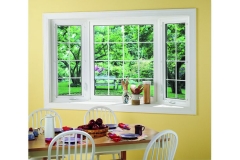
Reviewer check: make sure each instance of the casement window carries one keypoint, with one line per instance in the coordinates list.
(88, 54)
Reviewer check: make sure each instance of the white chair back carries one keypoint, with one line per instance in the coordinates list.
(80, 146)
(162, 146)
(105, 113)
(108, 117)
(35, 117)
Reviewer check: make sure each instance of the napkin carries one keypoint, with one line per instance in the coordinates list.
(124, 126)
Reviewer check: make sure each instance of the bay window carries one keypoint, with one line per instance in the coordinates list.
(88, 54)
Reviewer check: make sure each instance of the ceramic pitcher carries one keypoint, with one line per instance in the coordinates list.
(49, 126)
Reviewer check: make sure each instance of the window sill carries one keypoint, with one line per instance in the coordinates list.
(120, 107)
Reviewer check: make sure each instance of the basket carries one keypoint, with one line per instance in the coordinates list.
(97, 133)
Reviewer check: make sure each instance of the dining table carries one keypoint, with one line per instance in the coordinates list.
(39, 148)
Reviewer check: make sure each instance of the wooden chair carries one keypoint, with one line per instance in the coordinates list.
(162, 146)
(108, 117)
(72, 144)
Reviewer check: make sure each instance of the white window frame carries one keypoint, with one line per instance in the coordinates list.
(87, 20)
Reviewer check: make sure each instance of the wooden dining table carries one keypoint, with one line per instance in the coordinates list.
(38, 147)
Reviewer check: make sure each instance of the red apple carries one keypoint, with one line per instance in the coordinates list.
(85, 127)
(99, 121)
(91, 123)
(102, 126)
(95, 127)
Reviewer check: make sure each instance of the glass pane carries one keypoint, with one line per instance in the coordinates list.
(131, 69)
(145, 33)
(63, 34)
(170, 32)
(146, 51)
(181, 51)
(63, 70)
(101, 51)
(180, 32)
(181, 70)
(181, 90)
(75, 52)
(75, 86)
(75, 67)
(115, 34)
(131, 33)
(146, 69)
(116, 69)
(170, 89)
(131, 51)
(171, 51)
(115, 51)
(63, 87)
(74, 33)
(101, 68)
(105, 83)
(100, 33)
(170, 70)
(63, 51)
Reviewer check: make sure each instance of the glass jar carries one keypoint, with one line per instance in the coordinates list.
(146, 92)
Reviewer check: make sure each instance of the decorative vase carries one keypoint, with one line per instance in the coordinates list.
(135, 99)
(125, 97)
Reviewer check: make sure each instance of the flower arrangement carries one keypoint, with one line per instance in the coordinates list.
(136, 89)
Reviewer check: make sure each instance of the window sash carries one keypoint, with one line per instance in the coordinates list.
(126, 21)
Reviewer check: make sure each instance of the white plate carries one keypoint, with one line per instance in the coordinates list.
(129, 136)
(112, 126)
(58, 130)
(71, 140)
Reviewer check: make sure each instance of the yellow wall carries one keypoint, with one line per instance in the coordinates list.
(194, 131)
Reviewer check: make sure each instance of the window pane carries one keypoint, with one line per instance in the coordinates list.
(101, 33)
(115, 51)
(131, 51)
(101, 51)
(69, 60)
(146, 69)
(63, 33)
(175, 60)
(74, 35)
(63, 51)
(131, 33)
(146, 51)
(170, 70)
(115, 33)
(122, 56)
(145, 33)
(181, 90)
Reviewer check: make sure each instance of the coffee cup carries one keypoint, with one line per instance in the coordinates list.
(139, 129)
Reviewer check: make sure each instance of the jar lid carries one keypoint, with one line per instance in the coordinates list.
(146, 82)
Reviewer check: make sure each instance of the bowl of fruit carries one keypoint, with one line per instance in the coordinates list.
(95, 128)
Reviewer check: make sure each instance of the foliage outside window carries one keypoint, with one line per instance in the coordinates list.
(93, 55)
